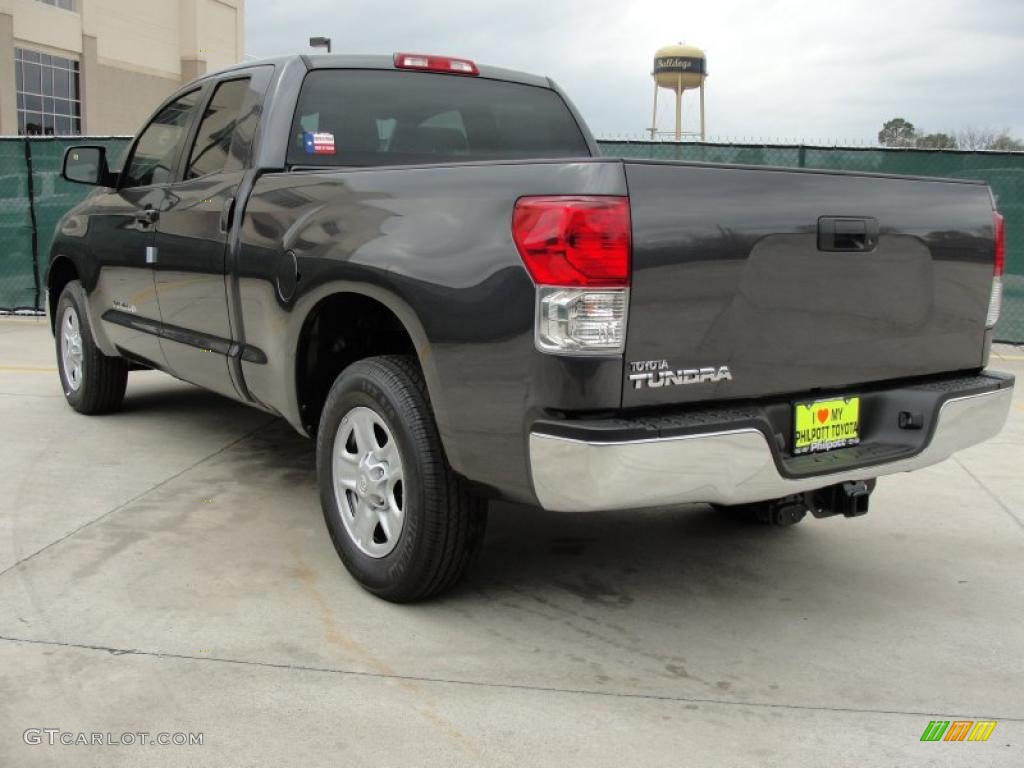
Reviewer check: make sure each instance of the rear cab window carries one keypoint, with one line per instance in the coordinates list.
(352, 117)
(225, 134)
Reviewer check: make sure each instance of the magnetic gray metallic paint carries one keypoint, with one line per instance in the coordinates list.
(433, 243)
(726, 271)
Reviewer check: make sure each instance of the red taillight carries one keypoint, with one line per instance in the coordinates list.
(435, 64)
(571, 240)
(995, 301)
(1000, 227)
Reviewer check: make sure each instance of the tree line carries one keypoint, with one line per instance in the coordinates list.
(902, 133)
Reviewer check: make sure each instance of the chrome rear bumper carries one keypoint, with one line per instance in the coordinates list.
(724, 467)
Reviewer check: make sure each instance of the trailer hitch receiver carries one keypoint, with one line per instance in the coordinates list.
(846, 499)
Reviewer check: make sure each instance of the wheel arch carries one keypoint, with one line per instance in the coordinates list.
(349, 310)
(62, 270)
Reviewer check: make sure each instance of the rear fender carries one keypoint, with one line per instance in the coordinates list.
(281, 367)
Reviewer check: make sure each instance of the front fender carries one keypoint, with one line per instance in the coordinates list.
(71, 259)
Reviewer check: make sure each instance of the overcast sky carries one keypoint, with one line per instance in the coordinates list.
(779, 70)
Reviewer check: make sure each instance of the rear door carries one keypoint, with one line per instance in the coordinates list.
(193, 229)
(122, 232)
(798, 281)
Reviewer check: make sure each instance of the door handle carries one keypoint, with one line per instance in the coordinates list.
(847, 233)
(148, 217)
(227, 214)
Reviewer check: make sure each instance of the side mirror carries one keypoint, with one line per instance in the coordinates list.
(87, 165)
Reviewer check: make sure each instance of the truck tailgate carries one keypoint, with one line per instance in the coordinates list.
(800, 280)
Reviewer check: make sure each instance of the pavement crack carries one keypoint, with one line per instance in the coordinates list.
(525, 687)
(136, 497)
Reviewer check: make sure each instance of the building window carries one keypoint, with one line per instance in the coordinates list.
(67, 5)
(49, 94)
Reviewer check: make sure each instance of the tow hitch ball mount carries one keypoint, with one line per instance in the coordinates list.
(846, 499)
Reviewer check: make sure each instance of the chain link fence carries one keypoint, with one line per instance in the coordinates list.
(33, 197)
(1003, 171)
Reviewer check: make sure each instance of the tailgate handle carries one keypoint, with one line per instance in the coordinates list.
(847, 233)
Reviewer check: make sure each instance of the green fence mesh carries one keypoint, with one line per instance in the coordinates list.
(33, 197)
(1004, 172)
(30, 206)
(17, 276)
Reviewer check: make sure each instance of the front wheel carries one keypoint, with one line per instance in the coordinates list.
(404, 524)
(92, 382)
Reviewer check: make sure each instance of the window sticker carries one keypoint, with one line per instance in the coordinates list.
(318, 143)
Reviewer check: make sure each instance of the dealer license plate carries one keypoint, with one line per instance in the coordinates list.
(825, 425)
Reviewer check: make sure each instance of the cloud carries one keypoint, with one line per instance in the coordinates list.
(782, 69)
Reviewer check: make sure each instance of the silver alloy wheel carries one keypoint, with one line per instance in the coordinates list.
(369, 482)
(71, 348)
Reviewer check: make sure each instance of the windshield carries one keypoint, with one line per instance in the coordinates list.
(349, 117)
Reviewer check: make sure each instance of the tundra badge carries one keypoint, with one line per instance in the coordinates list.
(658, 373)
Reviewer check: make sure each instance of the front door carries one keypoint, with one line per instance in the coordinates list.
(192, 236)
(122, 234)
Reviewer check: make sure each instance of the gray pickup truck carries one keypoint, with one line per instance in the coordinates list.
(427, 266)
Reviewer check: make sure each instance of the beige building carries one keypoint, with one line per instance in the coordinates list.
(101, 66)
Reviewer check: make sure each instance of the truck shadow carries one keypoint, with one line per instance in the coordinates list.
(601, 558)
(612, 559)
(158, 394)
(604, 559)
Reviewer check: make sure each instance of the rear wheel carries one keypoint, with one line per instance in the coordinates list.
(404, 524)
(93, 383)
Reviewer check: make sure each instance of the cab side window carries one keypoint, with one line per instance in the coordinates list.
(226, 132)
(159, 145)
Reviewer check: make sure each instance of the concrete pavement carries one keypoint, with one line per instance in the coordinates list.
(166, 569)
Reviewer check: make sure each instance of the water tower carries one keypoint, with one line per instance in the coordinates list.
(678, 68)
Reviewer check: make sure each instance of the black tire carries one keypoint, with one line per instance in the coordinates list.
(444, 521)
(101, 380)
